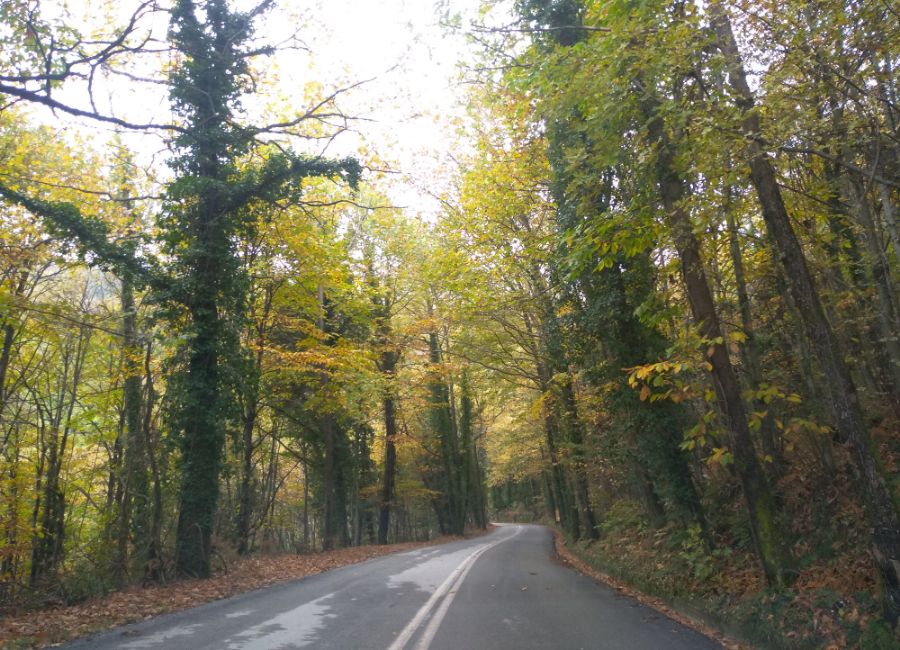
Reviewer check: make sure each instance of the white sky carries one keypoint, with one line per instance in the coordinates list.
(415, 98)
(410, 108)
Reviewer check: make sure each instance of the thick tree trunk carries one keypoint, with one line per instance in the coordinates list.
(479, 506)
(565, 501)
(587, 520)
(563, 509)
(656, 515)
(471, 473)
(331, 525)
(201, 444)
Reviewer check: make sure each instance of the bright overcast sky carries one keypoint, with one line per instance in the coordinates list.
(415, 96)
(408, 109)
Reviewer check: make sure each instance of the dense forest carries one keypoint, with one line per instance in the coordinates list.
(658, 308)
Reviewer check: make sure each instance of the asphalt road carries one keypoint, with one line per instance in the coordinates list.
(497, 592)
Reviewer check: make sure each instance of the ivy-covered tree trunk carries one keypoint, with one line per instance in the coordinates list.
(563, 503)
(388, 367)
(135, 507)
(202, 441)
(575, 428)
(452, 500)
(563, 398)
(206, 214)
(203, 90)
(563, 497)
(471, 473)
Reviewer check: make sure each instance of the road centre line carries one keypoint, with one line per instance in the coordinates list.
(436, 620)
(448, 588)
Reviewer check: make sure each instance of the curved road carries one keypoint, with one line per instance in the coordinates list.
(501, 591)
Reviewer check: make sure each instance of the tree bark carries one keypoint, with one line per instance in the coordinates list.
(330, 524)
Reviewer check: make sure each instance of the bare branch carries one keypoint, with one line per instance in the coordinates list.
(45, 100)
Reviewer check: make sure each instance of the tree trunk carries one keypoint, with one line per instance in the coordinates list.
(135, 506)
(9, 335)
(202, 440)
(306, 540)
(47, 553)
(245, 490)
(759, 501)
(879, 501)
(587, 520)
(152, 570)
(441, 421)
(330, 532)
(749, 351)
(388, 367)
(890, 218)
(886, 322)
(390, 470)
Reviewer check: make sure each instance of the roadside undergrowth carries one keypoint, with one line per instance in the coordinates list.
(831, 603)
(833, 598)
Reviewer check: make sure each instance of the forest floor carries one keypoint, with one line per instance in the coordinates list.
(831, 602)
(55, 625)
(829, 606)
